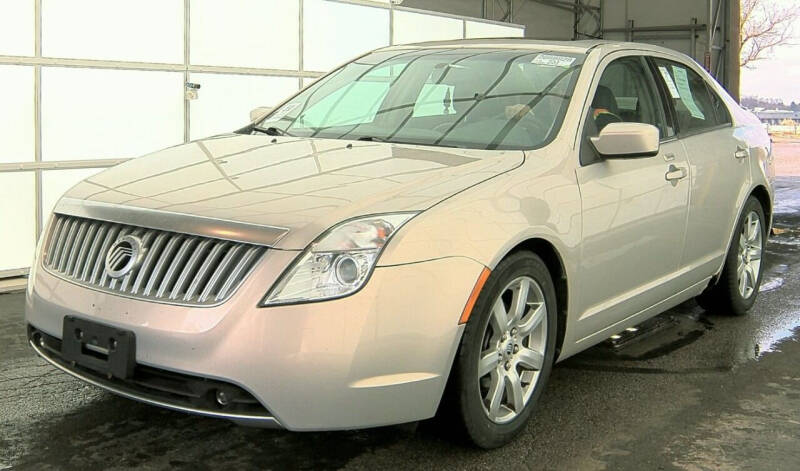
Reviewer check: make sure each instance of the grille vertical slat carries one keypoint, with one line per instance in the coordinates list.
(238, 271)
(61, 239)
(81, 260)
(218, 274)
(175, 268)
(205, 270)
(155, 277)
(62, 259)
(93, 251)
(99, 263)
(77, 243)
(177, 263)
(189, 268)
(149, 259)
(54, 233)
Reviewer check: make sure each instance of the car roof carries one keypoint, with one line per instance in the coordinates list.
(578, 47)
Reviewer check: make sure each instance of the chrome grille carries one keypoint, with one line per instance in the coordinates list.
(176, 268)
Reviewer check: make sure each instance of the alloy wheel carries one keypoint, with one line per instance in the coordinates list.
(749, 260)
(512, 349)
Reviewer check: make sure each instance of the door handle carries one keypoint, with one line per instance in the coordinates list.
(741, 152)
(675, 173)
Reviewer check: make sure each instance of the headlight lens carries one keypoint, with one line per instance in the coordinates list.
(339, 262)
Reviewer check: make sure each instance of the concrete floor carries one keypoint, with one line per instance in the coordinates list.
(702, 391)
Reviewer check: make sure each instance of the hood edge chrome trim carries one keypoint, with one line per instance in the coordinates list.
(222, 229)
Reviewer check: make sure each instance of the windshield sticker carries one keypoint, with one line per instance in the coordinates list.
(673, 90)
(682, 82)
(550, 60)
(282, 111)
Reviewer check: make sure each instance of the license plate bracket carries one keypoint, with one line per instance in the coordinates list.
(106, 349)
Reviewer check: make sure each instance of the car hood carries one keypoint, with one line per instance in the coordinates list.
(290, 188)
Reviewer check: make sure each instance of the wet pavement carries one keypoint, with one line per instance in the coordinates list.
(690, 390)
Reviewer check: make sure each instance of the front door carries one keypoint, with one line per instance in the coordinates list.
(633, 209)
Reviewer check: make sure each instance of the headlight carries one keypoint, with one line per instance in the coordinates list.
(338, 263)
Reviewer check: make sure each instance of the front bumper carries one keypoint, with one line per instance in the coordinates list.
(379, 357)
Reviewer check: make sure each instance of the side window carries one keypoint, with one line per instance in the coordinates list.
(720, 109)
(626, 92)
(690, 96)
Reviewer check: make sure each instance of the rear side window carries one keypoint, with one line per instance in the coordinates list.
(690, 97)
(720, 110)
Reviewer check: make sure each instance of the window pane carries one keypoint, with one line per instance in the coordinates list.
(245, 33)
(56, 182)
(434, 99)
(417, 27)
(225, 101)
(94, 113)
(17, 210)
(16, 113)
(478, 98)
(477, 29)
(626, 93)
(16, 27)
(334, 33)
(152, 31)
(720, 109)
(689, 96)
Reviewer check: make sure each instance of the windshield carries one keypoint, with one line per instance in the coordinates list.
(471, 98)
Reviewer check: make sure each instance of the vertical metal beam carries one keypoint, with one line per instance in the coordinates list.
(709, 57)
(391, 23)
(187, 110)
(733, 69)
(37, 118)
(300, 44)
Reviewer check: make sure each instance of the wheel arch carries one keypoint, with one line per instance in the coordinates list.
(761, 193)
(555, 265)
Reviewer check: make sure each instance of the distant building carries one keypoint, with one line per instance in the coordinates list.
(775, 117)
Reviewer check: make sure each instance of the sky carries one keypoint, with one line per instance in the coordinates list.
(776, 77)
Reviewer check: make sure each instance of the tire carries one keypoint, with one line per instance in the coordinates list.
(517, 356)
(726, 295)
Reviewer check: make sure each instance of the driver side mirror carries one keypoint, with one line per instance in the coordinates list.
(260, 112)
(627, 140)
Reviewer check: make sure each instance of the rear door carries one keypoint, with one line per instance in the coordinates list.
(633, 209)
(719, 167)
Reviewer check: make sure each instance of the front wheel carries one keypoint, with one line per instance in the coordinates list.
(737, 288)
(507, 351)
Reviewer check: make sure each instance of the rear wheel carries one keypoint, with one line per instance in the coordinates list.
(506, 352)
(737, 287)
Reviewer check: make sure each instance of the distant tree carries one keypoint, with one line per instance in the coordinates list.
(765, 24)
(794, 106)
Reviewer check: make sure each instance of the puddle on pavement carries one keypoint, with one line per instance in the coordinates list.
(658, 336)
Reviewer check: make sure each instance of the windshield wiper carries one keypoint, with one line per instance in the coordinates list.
(271, 131)
(371, 138)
